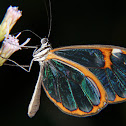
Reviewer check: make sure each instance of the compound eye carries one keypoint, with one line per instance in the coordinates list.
(44, 40)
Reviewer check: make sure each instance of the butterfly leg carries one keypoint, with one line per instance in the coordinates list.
(16, 64)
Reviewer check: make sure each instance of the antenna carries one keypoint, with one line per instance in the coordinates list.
(49, 17)
(27, 30)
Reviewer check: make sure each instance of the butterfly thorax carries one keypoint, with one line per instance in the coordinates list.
(41, 53)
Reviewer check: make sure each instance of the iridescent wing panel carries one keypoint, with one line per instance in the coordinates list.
(107, 63)
(71, 89)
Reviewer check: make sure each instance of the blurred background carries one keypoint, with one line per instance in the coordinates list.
(74, 22)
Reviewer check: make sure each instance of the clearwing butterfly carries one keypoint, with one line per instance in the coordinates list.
(80, 80)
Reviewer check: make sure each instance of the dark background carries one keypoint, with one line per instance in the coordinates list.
(75, 22)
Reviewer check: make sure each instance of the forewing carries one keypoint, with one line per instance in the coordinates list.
(107, 63)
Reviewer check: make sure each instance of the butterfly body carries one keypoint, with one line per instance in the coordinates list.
(41, 53)
(80, 80)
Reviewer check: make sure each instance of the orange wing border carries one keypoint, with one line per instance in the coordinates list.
(87, 73)
(106, 51)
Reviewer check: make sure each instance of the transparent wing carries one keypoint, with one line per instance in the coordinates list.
(71, 90)
(107, 63)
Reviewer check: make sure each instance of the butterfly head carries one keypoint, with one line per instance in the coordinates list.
(44, 40)
(41, 53)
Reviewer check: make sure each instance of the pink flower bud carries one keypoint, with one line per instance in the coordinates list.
(11, 17)
(9, 46)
